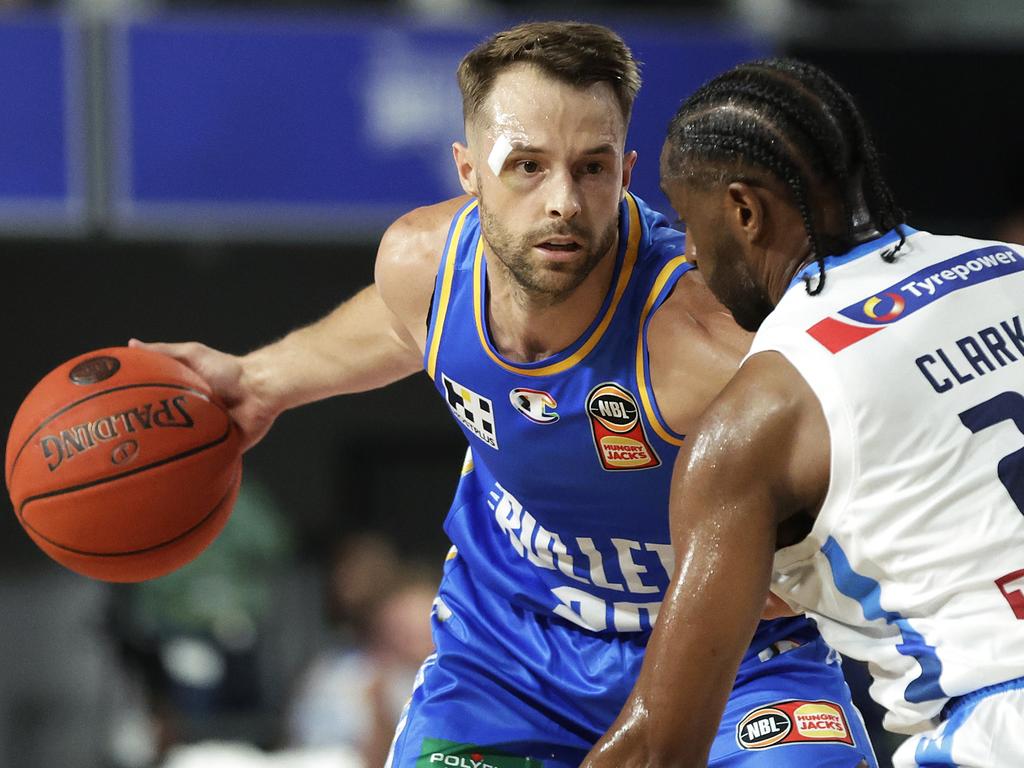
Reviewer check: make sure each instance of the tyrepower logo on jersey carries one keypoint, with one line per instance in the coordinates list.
(534, 405)
(440, 752)
(618, 432)
(867, 317)
(884, 308)
(793, 722)
(475, 411)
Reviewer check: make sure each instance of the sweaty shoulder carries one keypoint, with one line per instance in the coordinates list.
(407, 262)
(766, 434)
(694, 347)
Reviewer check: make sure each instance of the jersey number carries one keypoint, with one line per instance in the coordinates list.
(1002, 407)
(1008, 405)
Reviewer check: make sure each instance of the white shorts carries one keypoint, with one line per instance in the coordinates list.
(984, 729)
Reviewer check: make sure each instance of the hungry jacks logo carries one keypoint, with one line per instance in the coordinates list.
(618, 432)
(792, 721)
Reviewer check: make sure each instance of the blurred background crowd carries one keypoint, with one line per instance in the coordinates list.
(219, 170)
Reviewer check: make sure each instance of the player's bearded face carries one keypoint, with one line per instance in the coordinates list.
(732, 281)
(542, 278)
(549, 171)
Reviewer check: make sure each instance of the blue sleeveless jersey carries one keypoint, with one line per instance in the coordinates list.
(562, 552)
(562, 507)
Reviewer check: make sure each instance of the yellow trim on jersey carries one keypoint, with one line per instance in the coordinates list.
(632, 246)
(641, 378)
(467, 463)
(446, 287)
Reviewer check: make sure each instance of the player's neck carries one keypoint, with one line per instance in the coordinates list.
(526, 328)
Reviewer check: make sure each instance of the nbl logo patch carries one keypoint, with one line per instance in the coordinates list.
(793, 722)
(618, 432)
(475, 411)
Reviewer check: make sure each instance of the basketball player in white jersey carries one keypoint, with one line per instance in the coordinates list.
(872, 443)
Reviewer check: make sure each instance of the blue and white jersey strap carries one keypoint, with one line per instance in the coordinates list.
(811, 271)
(867, 592)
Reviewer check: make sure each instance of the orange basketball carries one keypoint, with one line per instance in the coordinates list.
(122, 465)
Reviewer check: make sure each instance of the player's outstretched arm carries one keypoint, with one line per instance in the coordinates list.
(755, 456)
(372, 339)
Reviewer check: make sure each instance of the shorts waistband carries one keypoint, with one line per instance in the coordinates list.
(958, 702)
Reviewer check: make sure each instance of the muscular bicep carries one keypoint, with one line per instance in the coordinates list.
(695, 348)
(761, 447)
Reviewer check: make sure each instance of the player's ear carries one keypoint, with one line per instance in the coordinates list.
(745, 211)
(463, 156)
(628, 161)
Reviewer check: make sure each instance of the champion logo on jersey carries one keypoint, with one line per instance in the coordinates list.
(618, 432)
(867, 317)
(534, 405)
(475, 411)
(789, 722)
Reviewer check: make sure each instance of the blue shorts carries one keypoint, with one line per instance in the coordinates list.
(508, 688)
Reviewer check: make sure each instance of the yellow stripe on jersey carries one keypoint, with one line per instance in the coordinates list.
(467, 463)
(446, 287)
(628, 262)
(646, 395)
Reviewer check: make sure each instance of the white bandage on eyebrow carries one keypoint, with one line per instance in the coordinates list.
(499, 153)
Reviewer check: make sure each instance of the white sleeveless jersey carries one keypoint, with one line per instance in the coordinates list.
(916, 561)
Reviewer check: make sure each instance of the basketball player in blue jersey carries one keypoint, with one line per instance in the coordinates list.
(575, 346)
(873, 436)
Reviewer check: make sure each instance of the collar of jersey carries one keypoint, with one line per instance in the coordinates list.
(871, 246)
(625, 259)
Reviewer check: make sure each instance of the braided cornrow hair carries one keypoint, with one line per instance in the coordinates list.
(790, 119)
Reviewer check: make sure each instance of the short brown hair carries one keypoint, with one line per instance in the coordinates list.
(572, 52)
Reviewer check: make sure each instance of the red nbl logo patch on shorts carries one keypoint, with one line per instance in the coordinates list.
(618, 432)
(791, 722)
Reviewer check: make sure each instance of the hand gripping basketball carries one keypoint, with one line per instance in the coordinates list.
(224, 374)
(122, 464)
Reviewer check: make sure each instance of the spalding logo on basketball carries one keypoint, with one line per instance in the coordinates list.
(122, 465)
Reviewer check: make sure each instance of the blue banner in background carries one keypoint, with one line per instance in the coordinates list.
(42, 130)
(259, 125)
(266, 125)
